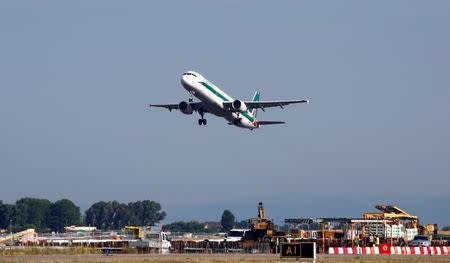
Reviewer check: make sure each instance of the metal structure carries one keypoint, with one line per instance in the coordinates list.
(393, 213)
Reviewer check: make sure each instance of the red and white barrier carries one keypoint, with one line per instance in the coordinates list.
(385, 249)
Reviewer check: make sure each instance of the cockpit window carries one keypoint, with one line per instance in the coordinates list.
(190, 74)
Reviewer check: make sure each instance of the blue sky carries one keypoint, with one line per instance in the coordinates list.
(76, 79)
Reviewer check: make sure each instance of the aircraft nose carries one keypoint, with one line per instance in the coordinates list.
(188, 77)
(184, 79)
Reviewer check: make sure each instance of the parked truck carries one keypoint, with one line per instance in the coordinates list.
(144, 239)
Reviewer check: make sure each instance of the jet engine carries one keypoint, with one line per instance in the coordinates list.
(239, 106)
(185, 107)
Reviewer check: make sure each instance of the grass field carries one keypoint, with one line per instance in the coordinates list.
(207, 258)
(33, 251)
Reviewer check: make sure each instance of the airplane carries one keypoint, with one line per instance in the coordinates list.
(213, 100)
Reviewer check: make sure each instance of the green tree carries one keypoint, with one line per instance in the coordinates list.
(446, 228)
(147, 212)
(63, 213)
(101, 214)
(32, 212)
(242, 224)
(227, 220)
(6, 214)
(185, 227)
(113, 215)
(123, 217)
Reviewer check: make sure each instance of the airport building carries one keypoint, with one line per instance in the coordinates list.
(388, 230)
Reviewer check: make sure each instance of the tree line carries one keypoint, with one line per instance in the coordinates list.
(188, 227)
(40, 214)
(44, 215)
(115, 215)
(227, 222)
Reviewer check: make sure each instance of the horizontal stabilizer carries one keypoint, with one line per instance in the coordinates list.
(270, 122)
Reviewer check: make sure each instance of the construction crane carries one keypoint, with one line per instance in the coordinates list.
(260, 225)
(262, 230)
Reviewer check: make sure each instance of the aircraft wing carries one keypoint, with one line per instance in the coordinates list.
(170, 107)
(167, 106)
(264, 104)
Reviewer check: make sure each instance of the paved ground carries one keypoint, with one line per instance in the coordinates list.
(242, 258)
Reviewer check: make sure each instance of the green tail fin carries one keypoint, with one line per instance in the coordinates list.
(251, 110)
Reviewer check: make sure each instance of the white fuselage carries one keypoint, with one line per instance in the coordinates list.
(213, 99)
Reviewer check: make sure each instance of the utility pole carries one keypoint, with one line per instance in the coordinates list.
(323, 237)
(11, 232)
